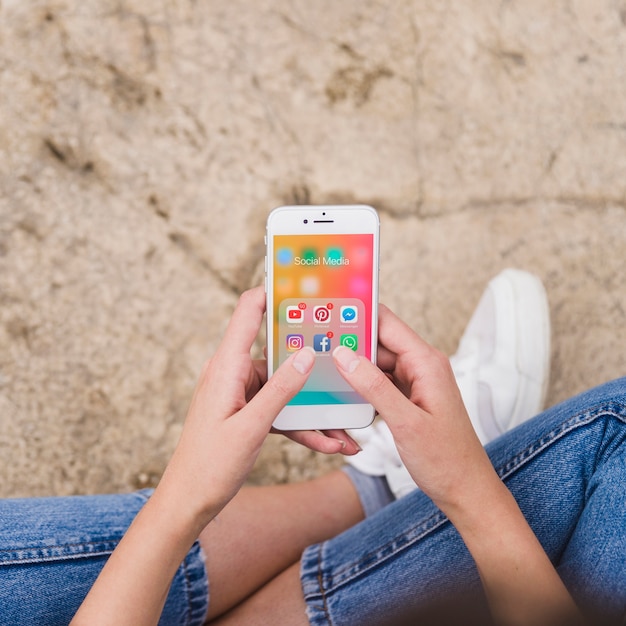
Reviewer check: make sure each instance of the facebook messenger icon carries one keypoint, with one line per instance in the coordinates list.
(349, 314)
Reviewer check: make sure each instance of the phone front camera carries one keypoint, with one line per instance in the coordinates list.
(306, 221)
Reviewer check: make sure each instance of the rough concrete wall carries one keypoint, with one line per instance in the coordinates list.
(142, 144)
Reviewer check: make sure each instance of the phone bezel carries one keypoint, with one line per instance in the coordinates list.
(314, 220)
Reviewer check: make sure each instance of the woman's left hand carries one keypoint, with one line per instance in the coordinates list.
(231, 412)
(230, 415)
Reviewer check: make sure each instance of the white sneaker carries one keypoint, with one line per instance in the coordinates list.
(501, 367)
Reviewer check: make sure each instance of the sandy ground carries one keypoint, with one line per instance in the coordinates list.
(142, 145)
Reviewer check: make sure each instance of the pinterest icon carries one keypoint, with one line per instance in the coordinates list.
(321, 314)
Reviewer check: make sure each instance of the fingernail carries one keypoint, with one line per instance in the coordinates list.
(303, 360)
(357, 446)
(346, 359)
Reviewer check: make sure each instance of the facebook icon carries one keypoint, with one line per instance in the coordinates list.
(321, 343)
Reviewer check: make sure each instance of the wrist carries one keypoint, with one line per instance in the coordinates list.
(179, 506)
(520, 583)
(475, 509)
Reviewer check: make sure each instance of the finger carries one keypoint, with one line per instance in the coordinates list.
(256, 379)
(286, 381)
(385, 359)
(244, 323)
(395, 336)
(317, 441)
(351, 447)
(260, 367)
(371, 383)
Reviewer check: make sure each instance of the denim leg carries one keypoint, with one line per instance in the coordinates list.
(373, 491)
(567, 471)
(52, 550)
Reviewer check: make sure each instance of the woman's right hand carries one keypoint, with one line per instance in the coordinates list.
(414, 390)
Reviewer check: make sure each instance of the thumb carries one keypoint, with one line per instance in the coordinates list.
(371, 383)
(283, 385)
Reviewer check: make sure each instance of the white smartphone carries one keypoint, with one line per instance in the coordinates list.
(322, 291)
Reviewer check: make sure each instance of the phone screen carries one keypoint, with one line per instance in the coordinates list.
(323, 297)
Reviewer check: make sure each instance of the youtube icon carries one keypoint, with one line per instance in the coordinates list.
(295, 315)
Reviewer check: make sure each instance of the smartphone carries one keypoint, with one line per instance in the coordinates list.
(322, 291)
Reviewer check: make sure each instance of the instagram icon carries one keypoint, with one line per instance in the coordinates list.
(295, 342)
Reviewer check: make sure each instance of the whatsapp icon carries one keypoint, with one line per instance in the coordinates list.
(350, 341)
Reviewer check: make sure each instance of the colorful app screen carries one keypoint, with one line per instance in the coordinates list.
(323, 298)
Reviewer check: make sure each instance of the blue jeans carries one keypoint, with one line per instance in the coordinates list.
(52, 550)
(566, 468)
(567, 471)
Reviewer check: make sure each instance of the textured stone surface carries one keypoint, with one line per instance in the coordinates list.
(142, 145)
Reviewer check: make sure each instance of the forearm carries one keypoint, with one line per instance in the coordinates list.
(230, 415)
(520, 582)
(134, 583)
